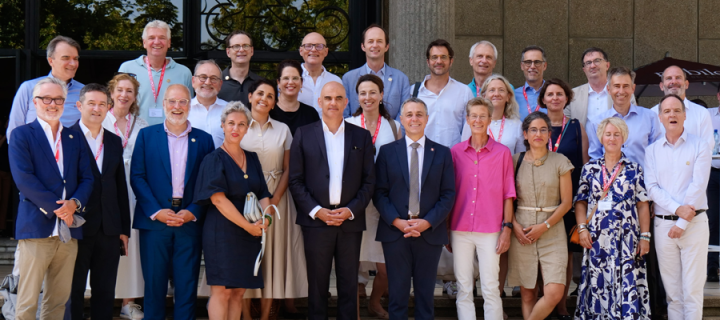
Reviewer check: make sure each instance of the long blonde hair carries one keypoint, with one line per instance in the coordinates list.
(511, 107)
(134, 108)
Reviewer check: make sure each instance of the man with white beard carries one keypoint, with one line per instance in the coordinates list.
(206, 107)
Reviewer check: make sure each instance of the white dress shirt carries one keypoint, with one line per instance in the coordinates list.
(54, 142)
(208, 119)
(95, 144)
(512, 134)
(421, 156)
(678, 174)
(310, 91)
(697, 122)
(335, 148)
(597, 102)
(446, 111)
(715, 120)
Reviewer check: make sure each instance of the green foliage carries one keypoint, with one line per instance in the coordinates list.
(12, 24)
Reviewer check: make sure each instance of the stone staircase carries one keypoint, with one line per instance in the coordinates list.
(7, 251)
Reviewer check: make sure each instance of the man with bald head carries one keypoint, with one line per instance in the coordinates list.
(313, 50)
(164, 168)
(332, 176)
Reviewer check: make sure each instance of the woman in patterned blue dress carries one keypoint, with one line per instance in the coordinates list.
(614, 280)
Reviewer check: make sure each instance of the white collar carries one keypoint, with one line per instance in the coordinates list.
(87, 133)
(340, 129)
(46, 126)
(409, 141)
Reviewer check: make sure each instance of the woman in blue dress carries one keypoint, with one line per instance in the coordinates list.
(613, 283)
(231, 243)
(568, 138)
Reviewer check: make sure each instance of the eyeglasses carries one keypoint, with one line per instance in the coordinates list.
(181, 102)
(127, 73)
(310, 46)
(237, 47)
(474, 117)
(442, 57)
(534, 131)
(288, 79)
(529, 63)
(203, 78)
(596, 62)
(48, 100)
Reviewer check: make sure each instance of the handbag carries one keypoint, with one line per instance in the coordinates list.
(254, 213)
(517, 168)
(574, 234)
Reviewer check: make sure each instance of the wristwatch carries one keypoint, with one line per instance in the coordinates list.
(646, 234)
(507, 224)
(77, 203)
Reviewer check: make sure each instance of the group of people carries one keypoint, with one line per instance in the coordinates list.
(367, 172)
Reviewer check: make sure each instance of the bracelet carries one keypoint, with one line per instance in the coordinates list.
(269, 217)
(645, 238)
(582, 229)
(582, 226)
(547, 224)
(646, 234)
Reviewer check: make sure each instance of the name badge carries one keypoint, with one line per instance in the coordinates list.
(155, 113)
(605, 205)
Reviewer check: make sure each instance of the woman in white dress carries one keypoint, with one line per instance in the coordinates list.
(373, 116)
(505, 126)
(123, 120)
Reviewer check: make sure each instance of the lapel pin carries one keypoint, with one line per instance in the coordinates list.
(432, 149)
(390, 79)
(227, 77)
(168, 80)
(71, 136)
(687, 163)
(193, 139)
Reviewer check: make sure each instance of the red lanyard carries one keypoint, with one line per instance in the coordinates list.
(606, 182)
(502, 127)
(162, 75)
(58, 145)
(557, 143)
(362, 120)
(527, 102)
(126, 136)
(102, 143)
(477, 90)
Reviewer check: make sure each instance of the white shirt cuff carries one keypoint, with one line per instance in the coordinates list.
(682, 223)
(314, 211)
(152, 217)
(352, 215)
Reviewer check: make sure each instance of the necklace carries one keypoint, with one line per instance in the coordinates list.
(236, 162)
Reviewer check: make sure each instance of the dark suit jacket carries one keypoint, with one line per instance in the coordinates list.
(36, 174)
(310, 174)
(437, 194)
(107, 207)
(151, 176)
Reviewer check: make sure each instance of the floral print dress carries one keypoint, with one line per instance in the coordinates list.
(614, 282)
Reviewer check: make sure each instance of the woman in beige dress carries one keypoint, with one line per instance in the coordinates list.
(123, 121)
(544, 195)
(283, 265)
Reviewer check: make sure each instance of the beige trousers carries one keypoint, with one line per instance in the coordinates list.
(51, 261)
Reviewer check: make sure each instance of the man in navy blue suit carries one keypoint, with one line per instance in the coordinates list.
(414, 193)
(164, 168)
(397, 86)
(52, 170)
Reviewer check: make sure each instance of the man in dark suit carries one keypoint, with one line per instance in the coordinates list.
(52, 170)
(331, 180)
(414, 193)
(107, 218)
(164, 168)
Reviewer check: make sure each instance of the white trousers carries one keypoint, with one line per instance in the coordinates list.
(464, 246)
(683, 265)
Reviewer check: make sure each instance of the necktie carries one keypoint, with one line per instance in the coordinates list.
(414, 204)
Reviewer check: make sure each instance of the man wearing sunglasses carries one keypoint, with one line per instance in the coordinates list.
(533, 64)
(313, 50)
(206, 108)
(238, 78)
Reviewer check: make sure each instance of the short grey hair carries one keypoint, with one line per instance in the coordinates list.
(60, 39)
(615, 121)
(621, 71)
(479, 102)
(415, 100)
(156, 24)
(176, 85)
(235, 106)
(51, 80)
(512, 109)
(208, 61)
(483, 42)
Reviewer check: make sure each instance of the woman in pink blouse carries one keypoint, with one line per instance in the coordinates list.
(480, 221)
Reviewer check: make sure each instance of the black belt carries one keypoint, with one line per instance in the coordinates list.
(176, 202)
(675, 218)
(714, 169)
(334, 206)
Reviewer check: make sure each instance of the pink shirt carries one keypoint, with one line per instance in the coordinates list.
(178, 146)
(483, 180)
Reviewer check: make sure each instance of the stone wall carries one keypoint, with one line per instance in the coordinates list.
(633, 32)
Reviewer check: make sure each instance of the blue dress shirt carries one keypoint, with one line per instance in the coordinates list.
(643, 126)
(396, 91)
(475, 89)
(532, 99)
(23, 109)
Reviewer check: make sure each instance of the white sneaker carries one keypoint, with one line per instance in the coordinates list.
(451, 289)
(131, 311)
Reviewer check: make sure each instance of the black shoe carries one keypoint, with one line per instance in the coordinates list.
(713, 277)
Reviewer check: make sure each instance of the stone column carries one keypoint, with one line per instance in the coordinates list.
(413, 24)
